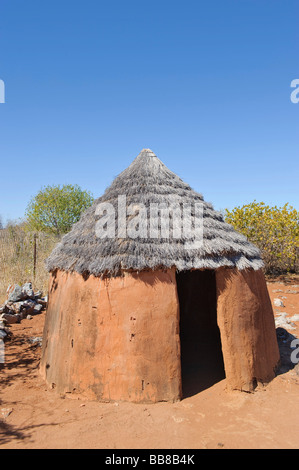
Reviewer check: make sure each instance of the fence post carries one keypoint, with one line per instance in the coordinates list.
(34, 255)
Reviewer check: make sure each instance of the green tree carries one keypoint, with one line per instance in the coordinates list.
(56, 208)
(275, 230)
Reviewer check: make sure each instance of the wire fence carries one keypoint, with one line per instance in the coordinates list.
(22, 258)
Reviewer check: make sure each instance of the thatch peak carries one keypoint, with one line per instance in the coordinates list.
(147, 153)
(131, 245)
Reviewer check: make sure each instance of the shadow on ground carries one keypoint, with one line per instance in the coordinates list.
(284, 340)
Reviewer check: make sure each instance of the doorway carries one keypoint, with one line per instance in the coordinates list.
(201, 353)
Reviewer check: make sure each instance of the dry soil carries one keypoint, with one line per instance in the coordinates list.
(33, 416)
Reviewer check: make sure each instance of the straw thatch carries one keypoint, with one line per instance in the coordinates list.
(147, 180)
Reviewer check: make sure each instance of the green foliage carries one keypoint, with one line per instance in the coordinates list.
(56, 208)
(275, 230)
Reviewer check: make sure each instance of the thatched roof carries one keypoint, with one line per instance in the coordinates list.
(147, 180)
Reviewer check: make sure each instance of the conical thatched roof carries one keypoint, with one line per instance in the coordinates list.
(148, 181)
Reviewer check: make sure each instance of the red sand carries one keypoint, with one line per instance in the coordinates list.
(32, 416)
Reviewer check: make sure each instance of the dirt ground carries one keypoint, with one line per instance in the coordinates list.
(32, 416)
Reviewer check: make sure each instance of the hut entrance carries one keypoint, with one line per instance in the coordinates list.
(201, 352)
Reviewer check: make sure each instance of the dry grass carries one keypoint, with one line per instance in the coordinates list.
(288, 278)
(17, 258)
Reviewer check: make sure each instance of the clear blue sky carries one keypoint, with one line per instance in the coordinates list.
(204, 84)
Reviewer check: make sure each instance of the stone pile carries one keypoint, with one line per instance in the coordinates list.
(22, 302)
(5, 334)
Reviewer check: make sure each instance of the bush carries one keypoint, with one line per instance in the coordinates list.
(275, 230)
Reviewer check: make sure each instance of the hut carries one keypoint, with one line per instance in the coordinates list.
(154, 297)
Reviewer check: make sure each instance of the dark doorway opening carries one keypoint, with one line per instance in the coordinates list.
(201, 352)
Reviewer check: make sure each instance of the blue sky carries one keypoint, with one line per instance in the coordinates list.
(204, 84)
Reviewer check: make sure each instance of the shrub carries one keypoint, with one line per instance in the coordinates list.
(275, 230)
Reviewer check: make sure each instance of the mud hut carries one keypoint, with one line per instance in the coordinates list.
(152, 296)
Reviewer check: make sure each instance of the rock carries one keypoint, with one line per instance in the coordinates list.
(29, 317)
(27, 290)
(29, 305)
(17, 307)
(4, 309)
(278, 303)
(5, 412)
(36, 340)
(22, 308)
(16, 294)
(284, 322)
(37, 309)
(42, 302)
(11, 318)
(3, 333)
(295, 317)
(38, 295)
(9, 289)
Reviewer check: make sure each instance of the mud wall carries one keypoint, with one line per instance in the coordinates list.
(115, 339)
(247, 328)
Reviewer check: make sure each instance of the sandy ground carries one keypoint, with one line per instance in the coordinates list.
(32, 416)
